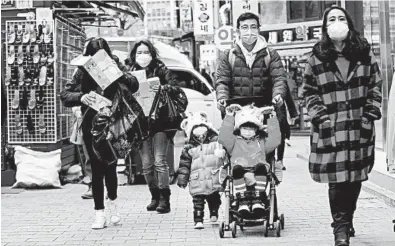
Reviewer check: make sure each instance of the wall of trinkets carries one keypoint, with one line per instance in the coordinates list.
(37, 67)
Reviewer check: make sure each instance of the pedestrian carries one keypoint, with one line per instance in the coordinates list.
(76, 93)
(144, 56)
(242, 135)
(200, 164)
(206, 76)
(342, 89)
(251, 69)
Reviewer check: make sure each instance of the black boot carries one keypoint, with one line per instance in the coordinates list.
(341, 233)
(164, 202)
(155, 194)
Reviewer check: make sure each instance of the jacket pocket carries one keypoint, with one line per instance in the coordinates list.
(196, 183)
(326, 137)
(366, 133)
(218, 175)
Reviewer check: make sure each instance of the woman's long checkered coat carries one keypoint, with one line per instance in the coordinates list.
(344, 149)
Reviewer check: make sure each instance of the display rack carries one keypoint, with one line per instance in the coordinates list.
(30, 124)
(48, 121)
(70, 42)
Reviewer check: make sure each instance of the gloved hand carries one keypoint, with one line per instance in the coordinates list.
(220, 153)
(232, 109)
(278, 100)
(221, 104)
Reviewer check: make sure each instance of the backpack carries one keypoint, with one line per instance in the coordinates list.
(232, 58)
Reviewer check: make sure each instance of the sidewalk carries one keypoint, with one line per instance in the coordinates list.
(61, 217)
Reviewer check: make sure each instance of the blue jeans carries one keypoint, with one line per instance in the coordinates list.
(154, 158)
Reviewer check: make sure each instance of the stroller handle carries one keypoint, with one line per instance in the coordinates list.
(244, 101)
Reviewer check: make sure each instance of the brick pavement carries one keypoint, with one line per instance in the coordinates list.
(61, 217)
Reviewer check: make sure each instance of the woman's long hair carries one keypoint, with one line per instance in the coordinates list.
(153, 51)
(93, 45)
(356, 47)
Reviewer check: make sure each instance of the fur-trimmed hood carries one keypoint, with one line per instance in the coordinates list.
(351, 52)
(197, 119)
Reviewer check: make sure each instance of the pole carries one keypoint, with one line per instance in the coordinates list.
(146, 19)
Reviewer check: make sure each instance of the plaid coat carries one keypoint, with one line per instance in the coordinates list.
(342, 151)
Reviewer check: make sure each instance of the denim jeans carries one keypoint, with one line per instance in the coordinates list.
(154, 158)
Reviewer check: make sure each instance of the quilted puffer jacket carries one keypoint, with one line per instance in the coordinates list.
(200, 166)
(257, 80)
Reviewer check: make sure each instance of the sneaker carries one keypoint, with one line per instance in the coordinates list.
(115, 218)
(199, 225)
(258, 208)
(244, 209)
(88, 194)
(100, 220)
(214, 215)
(278, 170)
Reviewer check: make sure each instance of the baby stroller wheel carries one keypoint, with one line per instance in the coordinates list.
(278, 228)
(282, 220)
(221, 229)
(233, 227)
(265, 229)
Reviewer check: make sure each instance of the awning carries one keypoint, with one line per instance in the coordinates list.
(293, 53)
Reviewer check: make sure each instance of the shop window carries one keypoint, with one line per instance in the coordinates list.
(188, 80)
(299, 11)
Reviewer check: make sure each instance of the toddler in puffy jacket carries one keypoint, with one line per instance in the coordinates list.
(242, 135)
(200, 166)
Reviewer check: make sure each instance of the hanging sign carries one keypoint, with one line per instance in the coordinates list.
(7, 4)
(242, 6)
(203, 17)
(208, 52)
(186, 16)
(224, 37)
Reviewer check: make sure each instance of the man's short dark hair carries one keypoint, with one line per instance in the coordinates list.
(247, 16)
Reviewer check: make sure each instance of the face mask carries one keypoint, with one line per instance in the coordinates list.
(247, 133)
(200, 133)
(338, 31)
(249, 37)
(143, 60)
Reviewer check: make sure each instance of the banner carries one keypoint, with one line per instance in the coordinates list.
(242, 6)
(186, 16)
(203, 21)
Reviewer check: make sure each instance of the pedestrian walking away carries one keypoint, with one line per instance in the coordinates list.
(342, 90)
(103, 161)
(200, 166)
(153, 153)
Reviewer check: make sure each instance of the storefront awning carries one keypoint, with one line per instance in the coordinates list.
(293, 53)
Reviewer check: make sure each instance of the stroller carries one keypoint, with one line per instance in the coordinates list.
(271, 220)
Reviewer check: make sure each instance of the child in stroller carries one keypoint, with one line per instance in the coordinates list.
(242, 134)
(200, 165)
(250, 138)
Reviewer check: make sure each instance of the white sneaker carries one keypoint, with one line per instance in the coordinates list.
(213, 218)
(199, 225)
(100, 220)
(115, 218)
(278, 170)
(258, 208)
(243, 209)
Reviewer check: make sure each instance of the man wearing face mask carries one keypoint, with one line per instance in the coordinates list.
(250, 69)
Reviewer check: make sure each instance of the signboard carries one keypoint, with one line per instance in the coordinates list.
(300, 33)
(203, 21)
(224, 37)
(186, 16)
(242, 6)
(208, 52)
(7, 4)
(44, 15)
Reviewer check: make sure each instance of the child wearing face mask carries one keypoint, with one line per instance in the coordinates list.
(242, 135)
(200, 164)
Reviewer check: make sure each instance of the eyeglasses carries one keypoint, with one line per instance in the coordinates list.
(245, 28)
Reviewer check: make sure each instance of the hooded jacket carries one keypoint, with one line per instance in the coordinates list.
(200, 163)
(250, 76)
(248, 153)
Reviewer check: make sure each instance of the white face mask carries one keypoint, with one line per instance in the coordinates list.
(338, 31)
(143, 60)
(247, 133)
(249, 38)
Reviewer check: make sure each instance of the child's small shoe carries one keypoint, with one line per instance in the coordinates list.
(258, 209)
(214, 215)
(243, 209)
(199, 225)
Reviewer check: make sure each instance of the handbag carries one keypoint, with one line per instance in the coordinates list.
(168, 108)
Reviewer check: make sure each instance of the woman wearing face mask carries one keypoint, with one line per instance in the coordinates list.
(153, 153)
(342, 88)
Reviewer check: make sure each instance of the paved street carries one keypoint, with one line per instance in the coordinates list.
(61, 217)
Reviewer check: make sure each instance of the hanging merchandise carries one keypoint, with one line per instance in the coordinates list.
(37, 68)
